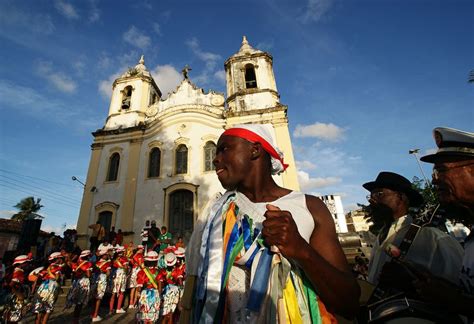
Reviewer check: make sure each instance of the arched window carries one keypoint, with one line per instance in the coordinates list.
(154, 163)
(114, 162)
(127, 97)
(250, 77)
(209, 155)
(181, 159)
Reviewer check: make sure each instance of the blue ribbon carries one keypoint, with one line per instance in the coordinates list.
(258, 290)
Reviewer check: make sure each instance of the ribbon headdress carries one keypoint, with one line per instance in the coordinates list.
(263, 134)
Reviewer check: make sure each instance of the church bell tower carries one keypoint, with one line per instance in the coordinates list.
(132, 93)
(250, 80)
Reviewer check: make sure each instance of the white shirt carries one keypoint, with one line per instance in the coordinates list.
(431, 248)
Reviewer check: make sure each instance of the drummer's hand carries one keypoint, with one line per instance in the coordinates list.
(280, 230)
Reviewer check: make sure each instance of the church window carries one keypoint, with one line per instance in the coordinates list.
(209, 155)
(153, 98)
(250, 77)
(181, 159)
(127, 97)
(114, 162)
(154, 163)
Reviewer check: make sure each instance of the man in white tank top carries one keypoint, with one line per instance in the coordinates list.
(293, 230)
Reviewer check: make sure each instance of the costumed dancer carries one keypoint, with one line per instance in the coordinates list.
(119, 283)
(48, 290)
(136, 262)
(17, 301)
(179, 273)
(103, 266)
(79, 293)
(150, 285)
(171, 291)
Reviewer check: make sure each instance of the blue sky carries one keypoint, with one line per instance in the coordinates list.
(364, 81)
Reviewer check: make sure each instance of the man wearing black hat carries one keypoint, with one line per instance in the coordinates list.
(453, 178)
(391, 195)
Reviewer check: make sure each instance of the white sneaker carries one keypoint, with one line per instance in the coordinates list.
(120, 311)
(131, 306)
(97, 319)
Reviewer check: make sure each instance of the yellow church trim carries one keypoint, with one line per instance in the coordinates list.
(87, 198)
(130, 187)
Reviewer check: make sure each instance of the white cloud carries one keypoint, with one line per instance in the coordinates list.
(136, 38)
(66, 9)
(94, 13)
(307, 183)
(7, 213)
(105, 86)
(431, 151)
(323, 131)
(12, 19)
(33, 103)
(157, 29)
(220, 75)
(79, 66)
(265, 45)
(210, 59)
(306, 165)
(316, 10)
(104, 61)
(57, 229)
(59, 80)
(167, 78)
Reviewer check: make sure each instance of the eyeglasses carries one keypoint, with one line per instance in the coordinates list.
(375, 195)
(443, 169)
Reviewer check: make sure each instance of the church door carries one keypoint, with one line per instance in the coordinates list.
(105, 219)
(181, 214)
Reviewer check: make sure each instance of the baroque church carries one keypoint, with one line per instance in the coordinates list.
(152, 160)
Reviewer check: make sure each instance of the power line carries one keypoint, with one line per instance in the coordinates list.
(27, 176)
(36, 193)
(46, 190)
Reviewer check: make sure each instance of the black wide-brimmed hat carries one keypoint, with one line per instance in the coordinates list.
(398, 183)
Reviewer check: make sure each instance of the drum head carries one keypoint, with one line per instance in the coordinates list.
(410, 311)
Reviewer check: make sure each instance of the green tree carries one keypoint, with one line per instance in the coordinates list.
(426, 189)
(28, 209)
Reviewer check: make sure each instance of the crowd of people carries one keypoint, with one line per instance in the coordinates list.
(151, 281)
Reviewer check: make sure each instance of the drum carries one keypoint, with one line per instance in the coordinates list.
(409, 311)
(33, 276)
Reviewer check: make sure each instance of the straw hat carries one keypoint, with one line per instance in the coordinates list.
(170, 259)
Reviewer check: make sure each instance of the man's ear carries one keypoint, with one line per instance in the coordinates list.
(256, 150)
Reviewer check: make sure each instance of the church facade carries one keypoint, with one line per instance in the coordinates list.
(152, 160)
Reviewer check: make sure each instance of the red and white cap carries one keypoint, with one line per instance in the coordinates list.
(151, 256)
(170, 259)
(21, 259)
(85, 253)
(263, 134)
(54, 255)
(179, 252)
(140, 247)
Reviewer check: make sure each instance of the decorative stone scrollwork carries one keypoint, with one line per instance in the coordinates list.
(151, 111)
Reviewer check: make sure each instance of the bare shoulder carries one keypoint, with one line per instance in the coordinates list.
(319, 211)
